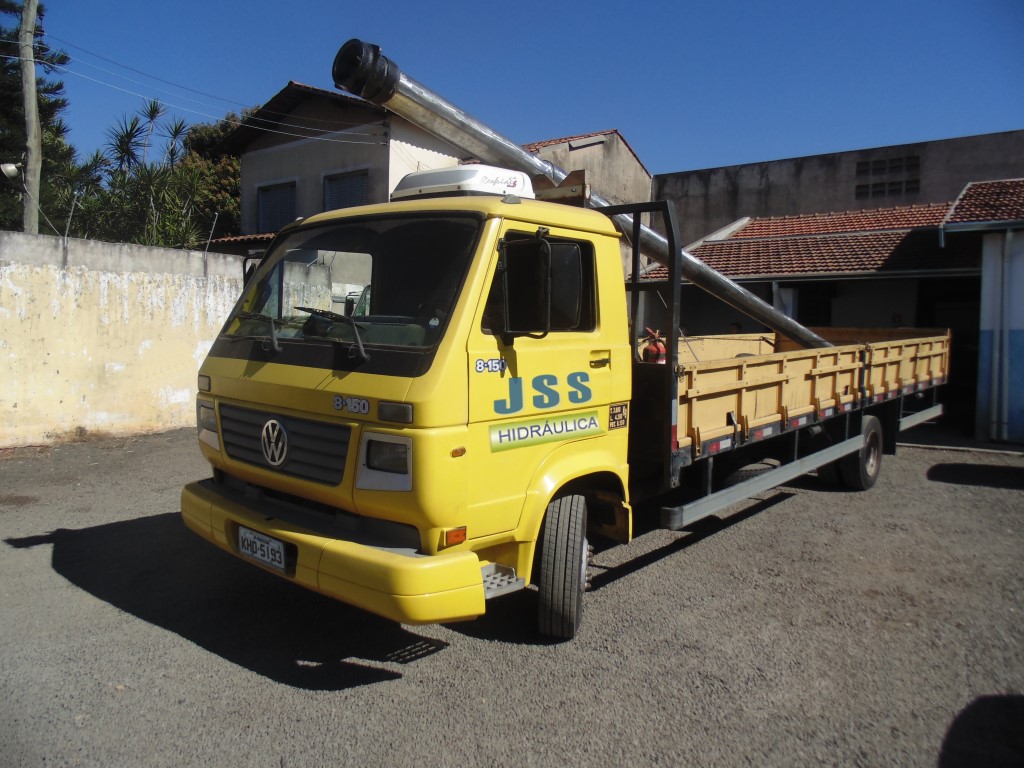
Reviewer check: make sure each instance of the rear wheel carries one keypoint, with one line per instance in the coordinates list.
(860, 470)
(562, 567)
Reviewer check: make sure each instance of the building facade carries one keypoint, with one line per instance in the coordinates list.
(309, 150)
(905, 174)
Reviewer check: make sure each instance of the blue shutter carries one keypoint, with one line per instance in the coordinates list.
(276, 206)
(346, 190)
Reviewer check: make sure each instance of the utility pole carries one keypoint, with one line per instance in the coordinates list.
(33, 130)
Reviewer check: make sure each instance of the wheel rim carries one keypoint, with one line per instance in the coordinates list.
(871, 458)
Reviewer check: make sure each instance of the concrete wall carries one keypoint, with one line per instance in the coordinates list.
(709, 199)
(306, 162)
(612, 169)
(104, 337)
(1000, 410)
(413, 149)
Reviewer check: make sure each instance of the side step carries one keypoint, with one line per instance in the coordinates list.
(677, 518)
(500, 580)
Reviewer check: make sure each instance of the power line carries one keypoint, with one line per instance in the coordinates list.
(236, 123)
(251, 118)
(145, 74)
(168, 82)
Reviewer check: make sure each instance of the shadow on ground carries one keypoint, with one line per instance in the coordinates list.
(987, 733)
(513, 619)
(156, 570)
(985, 475)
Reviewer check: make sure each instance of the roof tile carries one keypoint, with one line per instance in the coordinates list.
(872, 219)
(983, 201)
(828, 254)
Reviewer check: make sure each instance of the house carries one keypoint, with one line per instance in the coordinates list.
(309, 150)
(612, 167)
(873, 237)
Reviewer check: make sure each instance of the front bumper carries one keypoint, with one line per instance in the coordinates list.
(407, 589)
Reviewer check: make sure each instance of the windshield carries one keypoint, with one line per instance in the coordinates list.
(365, 283)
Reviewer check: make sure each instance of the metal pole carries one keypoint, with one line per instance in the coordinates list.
(361, 69)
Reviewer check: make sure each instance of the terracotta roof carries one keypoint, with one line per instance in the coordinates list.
(868, 220)
(857, 253)
(264, 237)
(989, 201)
(881, 240)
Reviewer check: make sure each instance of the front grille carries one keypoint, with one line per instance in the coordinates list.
(316, 450)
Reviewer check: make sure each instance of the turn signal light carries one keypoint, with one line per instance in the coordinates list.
(454, 536)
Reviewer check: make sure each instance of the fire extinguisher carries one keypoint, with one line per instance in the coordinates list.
(654, 350)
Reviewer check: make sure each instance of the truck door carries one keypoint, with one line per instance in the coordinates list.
(539, 377)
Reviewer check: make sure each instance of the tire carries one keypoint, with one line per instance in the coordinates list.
(562, 567)
(829, 473)
(749, 472)
(860, 470)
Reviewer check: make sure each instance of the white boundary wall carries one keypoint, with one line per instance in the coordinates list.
(104, 337)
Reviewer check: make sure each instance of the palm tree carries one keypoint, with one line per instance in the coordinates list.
(124, 143)
(152, 111)
(175, 134)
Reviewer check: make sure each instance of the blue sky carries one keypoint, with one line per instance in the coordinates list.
(690, 84)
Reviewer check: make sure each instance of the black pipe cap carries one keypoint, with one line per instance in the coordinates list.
(361, 68)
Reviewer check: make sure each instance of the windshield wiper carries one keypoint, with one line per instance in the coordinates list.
(335, 317)
(267, 319)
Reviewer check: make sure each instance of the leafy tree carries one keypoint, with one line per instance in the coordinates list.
(152, 186)
(205, 141)
(50, 92)
(158, 181)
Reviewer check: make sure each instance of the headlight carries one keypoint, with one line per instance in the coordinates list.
(387, 457)
(206, 423)
(385, 462)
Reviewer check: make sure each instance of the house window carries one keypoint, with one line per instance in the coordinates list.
(276, 206)
(344, 190)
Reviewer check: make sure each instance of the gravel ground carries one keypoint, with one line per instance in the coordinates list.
(813, 626)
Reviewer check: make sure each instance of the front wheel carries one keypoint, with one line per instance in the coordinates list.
(860, 470)
(562, 567)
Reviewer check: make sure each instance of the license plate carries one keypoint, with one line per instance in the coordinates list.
(261, 548)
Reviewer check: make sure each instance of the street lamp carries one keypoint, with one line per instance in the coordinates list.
(11, 170)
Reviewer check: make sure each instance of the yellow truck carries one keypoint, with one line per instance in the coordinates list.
(487, 406)
(490, 403)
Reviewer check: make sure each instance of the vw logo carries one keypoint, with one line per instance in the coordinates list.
(275, 443)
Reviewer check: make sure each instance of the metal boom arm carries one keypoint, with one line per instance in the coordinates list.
(361, 69)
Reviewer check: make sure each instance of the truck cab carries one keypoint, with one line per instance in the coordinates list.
(437, 446)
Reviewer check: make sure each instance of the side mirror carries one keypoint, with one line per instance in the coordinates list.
(543, 287)
(527, 286)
